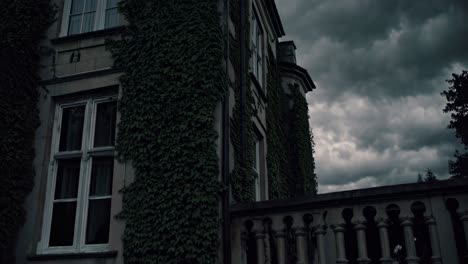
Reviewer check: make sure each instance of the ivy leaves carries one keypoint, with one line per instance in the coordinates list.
(22, 27)
(173, 79)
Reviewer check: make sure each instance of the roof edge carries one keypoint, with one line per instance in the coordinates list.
(271, 6)
(300, 72)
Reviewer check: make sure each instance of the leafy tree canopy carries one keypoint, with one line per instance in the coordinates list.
(430, 176)
(457, 106)
(420, 178)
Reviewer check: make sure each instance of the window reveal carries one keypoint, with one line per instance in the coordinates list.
(81, 16)
(257, 48)
(77, 213)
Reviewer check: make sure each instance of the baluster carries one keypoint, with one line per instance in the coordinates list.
(268, 256)
(244, 241)
(239, 238)
(320, 233)
(280, 235)
(340, 244)
(431, 224)
(464, 219)
(259, 238)
(411, 256)
(300, 233)
(362, 243)
(384, 242)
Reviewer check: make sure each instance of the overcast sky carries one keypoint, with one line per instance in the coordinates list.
(379, 67)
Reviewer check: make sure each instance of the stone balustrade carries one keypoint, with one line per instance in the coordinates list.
(411, 223)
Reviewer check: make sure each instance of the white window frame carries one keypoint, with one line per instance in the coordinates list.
(258, 168)
(87, 151)
(99, 19)
(257, 45)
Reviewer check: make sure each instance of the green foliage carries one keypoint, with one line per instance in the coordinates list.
(173, 79)
(277, 141)
(22, 27)
(420, 178)
(459, 167)
(430, 176)
(457, 105)
(243, 175)
(291, 165)
(303, 179)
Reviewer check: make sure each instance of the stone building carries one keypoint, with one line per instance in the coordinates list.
(71, 210)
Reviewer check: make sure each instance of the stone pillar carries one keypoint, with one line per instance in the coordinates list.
(259, 238)
(384, 242)
(244, 239)
(239, 238)
(280, 235)
(464, 219)
(320, 233)
(362, 243)
(431, 224)
(411, 256)
(267, 248)
(301, 244)
(340, 244)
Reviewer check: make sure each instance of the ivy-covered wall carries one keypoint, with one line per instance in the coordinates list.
(290, 161)
(291, 165)
(22, 27)
(303, 179)
(243, 175)
(277, 141)
(172, 80)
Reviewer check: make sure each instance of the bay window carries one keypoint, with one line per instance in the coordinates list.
(79, 187)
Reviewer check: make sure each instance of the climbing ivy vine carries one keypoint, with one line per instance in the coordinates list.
(291, 165)
(303, 179)
(290, 161)
(243, 175)
(22, 27)
(172, 80)
(277, 141)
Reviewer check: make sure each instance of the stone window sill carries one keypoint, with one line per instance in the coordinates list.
(88, 35)
(87, 255)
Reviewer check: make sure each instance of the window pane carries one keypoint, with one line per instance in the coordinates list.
(101, 176)
(88, 22)
(97, 228)
(112, 3)
(75, 24)
(104, 134)
(112, 18)
(257, 188)
(63, 224)
(68, 175)
(90, 5)
(72, 128)
(260, 71)
(77, 6)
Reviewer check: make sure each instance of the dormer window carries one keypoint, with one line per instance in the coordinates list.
(81, 16)
(257, 47)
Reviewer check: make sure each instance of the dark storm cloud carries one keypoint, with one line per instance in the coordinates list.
(378, 47)
(380, 67)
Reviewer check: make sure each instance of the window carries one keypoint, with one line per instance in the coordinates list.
(81, 16)
(259, 182)
(79, 187)
(257, 48)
